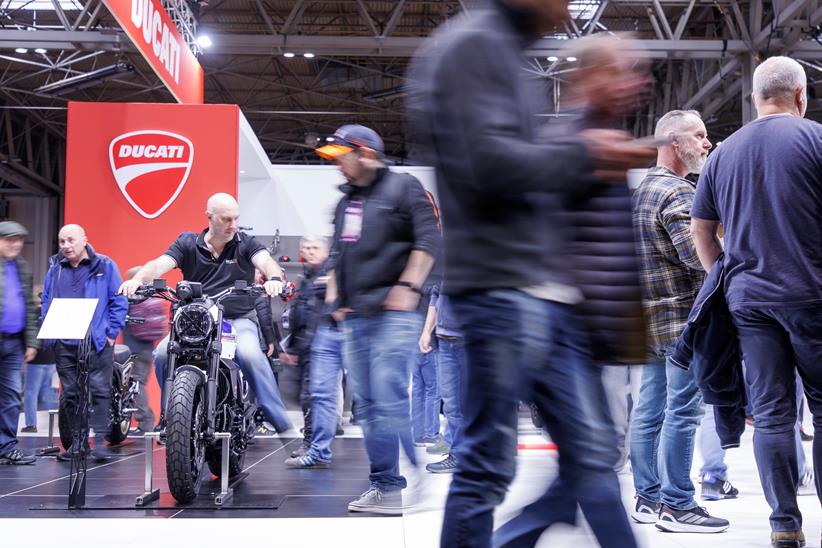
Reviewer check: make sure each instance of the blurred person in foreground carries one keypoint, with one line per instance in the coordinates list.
(503, 189)
(670, 402)
(385, 240)
(18, 336)
(763, 186)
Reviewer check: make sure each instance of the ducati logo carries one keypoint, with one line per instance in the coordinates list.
(151, 167)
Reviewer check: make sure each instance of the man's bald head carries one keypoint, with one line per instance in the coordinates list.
(74, 230)
(222, 202)
(72, 241)
(223, 212)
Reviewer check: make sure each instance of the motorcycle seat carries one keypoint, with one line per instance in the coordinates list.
(121, 353)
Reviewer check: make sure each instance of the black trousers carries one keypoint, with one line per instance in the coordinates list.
(100, 371)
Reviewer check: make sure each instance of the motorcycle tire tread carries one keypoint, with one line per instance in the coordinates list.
(183, 482)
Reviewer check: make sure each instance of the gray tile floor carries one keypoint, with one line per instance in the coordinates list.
(316, 496)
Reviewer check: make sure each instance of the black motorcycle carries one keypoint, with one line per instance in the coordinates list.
(204, 390)
(123, 391)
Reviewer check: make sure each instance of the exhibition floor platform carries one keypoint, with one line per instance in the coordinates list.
(314, 512)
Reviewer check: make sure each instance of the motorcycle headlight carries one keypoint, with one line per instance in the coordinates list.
(193, 323)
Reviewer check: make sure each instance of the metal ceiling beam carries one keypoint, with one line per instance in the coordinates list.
(392, 46)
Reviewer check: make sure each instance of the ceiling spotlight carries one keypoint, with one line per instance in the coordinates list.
(288, 54)
(329, 139)
(553, 59)
(570, 59)
(21, 50)
(242, 172)
(204, 41)
(40, 51)
(308, 55)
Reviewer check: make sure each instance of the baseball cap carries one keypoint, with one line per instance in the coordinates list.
(10, 229)
(348, 138)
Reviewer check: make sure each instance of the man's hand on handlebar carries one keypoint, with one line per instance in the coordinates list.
(273, 288)
(129, 287)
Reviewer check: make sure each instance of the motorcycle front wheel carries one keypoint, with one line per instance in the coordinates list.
(185, 447)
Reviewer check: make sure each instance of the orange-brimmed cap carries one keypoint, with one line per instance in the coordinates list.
(348, 138)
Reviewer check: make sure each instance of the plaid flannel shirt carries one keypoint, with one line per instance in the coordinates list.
(670, 270)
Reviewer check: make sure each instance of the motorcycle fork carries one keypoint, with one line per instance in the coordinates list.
(171, 365)
(211, 394)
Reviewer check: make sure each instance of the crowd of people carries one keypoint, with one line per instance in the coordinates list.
(546, 280)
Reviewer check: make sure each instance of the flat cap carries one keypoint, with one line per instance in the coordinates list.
(9, 229)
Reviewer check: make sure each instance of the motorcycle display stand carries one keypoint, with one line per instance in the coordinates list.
(50, 449)
(222, 499)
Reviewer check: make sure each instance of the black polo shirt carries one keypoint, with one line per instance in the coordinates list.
(193, 257)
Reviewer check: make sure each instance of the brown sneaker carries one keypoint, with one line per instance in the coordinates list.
(28, 430)
(787, 539)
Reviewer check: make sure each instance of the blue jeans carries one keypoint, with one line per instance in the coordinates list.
(378, 354)
(451, 357)
(425, 397)
(326, 365)
(11, 382)
(522, 348)
(38, 390)
(255, 367)
(663, 435)
(713, 456)
(777, 342)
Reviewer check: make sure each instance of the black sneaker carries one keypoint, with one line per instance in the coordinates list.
(645, 511)
(787, 539)
(805, 436)
(692, 520)
(340, 430)
(17, 457)
(136, 432)
(445, 466)
(716, 489)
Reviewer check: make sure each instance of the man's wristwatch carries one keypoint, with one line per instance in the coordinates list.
(275, 279)
(409, 285)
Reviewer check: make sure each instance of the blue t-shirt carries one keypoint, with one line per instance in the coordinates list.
(764, 184)
(14, 305)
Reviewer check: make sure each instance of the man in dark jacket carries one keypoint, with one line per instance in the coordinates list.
(385, 241)
(77, 272)
(18, 336)
(502, 188)
(305, 317)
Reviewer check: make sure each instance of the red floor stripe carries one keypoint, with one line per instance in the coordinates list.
(541, 446)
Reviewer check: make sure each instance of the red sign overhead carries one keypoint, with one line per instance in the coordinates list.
(151, 29)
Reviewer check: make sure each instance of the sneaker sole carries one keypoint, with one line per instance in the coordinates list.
(643, 518)
(383, 510)
(677, 527)
(717, 497)
(321, 466)
(447, 471)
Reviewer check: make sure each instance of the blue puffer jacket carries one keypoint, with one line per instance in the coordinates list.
(709, 348)
(103, 283)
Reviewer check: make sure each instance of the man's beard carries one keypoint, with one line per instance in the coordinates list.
(693, 159)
